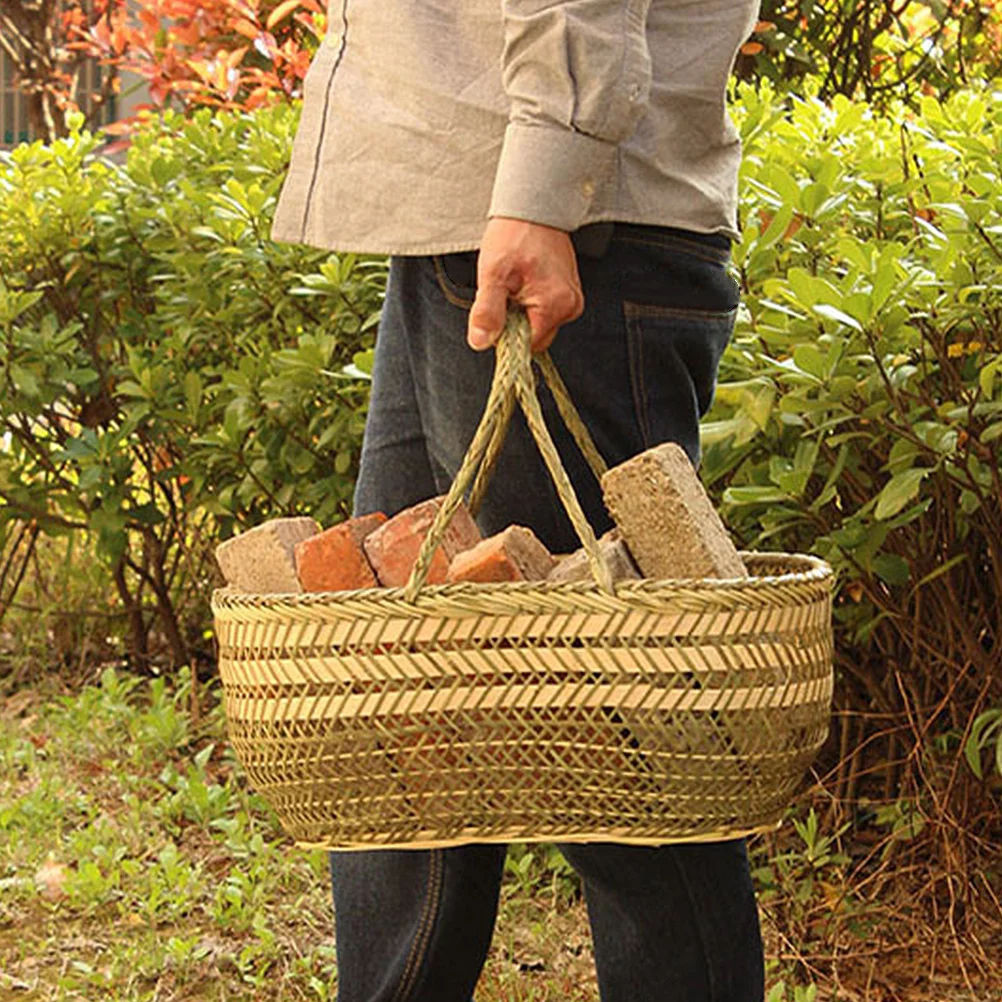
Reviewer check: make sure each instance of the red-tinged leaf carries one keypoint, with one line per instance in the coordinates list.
(312, 23)
(246, 28)
(763, 27)
(119, 128)
(266, 45)
(187, 34)
(281, 11)
(244, 9)
(201, 69)
(257, 98)
(234, 58)
(301, 63)
(752, 48)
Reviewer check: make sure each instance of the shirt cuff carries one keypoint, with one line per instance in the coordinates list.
(549, 175)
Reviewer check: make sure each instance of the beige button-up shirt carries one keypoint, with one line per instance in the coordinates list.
(422, 118)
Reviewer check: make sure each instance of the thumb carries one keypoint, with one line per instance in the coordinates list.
(487, 317)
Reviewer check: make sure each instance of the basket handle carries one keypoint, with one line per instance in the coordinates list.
(514, 380)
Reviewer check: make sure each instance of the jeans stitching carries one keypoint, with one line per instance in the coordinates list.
(650, 310)
(444, 284)
(419, 949)
(635, 356)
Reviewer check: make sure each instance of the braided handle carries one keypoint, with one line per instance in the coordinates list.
(514, 380)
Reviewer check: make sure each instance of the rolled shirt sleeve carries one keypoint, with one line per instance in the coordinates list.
(577, 74)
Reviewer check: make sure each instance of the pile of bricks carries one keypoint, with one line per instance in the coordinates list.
(666, 527)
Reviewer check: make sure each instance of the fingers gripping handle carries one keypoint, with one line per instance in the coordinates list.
(514, 379)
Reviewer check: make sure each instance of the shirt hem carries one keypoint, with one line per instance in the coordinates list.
(459, 245)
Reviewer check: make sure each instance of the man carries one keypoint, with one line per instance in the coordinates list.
(583, 148)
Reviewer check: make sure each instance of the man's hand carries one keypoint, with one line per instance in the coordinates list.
(534, 265)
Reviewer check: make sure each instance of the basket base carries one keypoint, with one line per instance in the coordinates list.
(612, 835)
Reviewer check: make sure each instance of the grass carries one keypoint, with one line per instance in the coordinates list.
(136, 865)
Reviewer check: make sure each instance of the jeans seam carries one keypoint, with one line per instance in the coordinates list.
(635, 357)
(443, 283)
(652, 310)
(710, 981)
(422, 938)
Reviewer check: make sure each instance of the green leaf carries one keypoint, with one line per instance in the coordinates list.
(193, 391)
(834, 313)
(980, 734)
(899, 491)
(753, 495)
(892, 569)
(809, 358)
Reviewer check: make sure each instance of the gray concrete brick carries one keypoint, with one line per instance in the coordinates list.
(667, 519)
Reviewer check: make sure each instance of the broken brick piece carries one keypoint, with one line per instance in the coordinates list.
(393, 548)
(261, 561)
(667, 519)
(576, 567)
(335, 560)
(513, 555)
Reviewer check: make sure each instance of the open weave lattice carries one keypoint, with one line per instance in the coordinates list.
(645, 711)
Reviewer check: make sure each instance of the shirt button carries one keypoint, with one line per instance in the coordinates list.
(587, 188)
(634, 92)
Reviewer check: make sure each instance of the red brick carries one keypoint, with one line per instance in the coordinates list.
(394, 546)
(513, 555)
(335, 559)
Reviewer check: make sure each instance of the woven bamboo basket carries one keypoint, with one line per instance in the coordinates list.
(639, 712)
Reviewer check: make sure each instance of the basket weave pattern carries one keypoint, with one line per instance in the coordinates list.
(645, 712)
(669, 712)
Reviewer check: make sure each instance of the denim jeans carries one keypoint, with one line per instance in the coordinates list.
(674, 923)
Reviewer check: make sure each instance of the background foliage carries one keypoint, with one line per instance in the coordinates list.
(859, 416)
(223, 53)
(878, 50)
(168, 371)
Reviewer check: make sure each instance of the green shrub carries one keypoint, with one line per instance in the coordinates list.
(168, 371)
(859, 414)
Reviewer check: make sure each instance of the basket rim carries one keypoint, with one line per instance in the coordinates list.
(815, 570)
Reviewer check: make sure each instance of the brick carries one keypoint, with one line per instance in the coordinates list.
(335, 560)
(262, 560)
(666, 518)
(393, 548)
(513, 555)
(576, 567)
